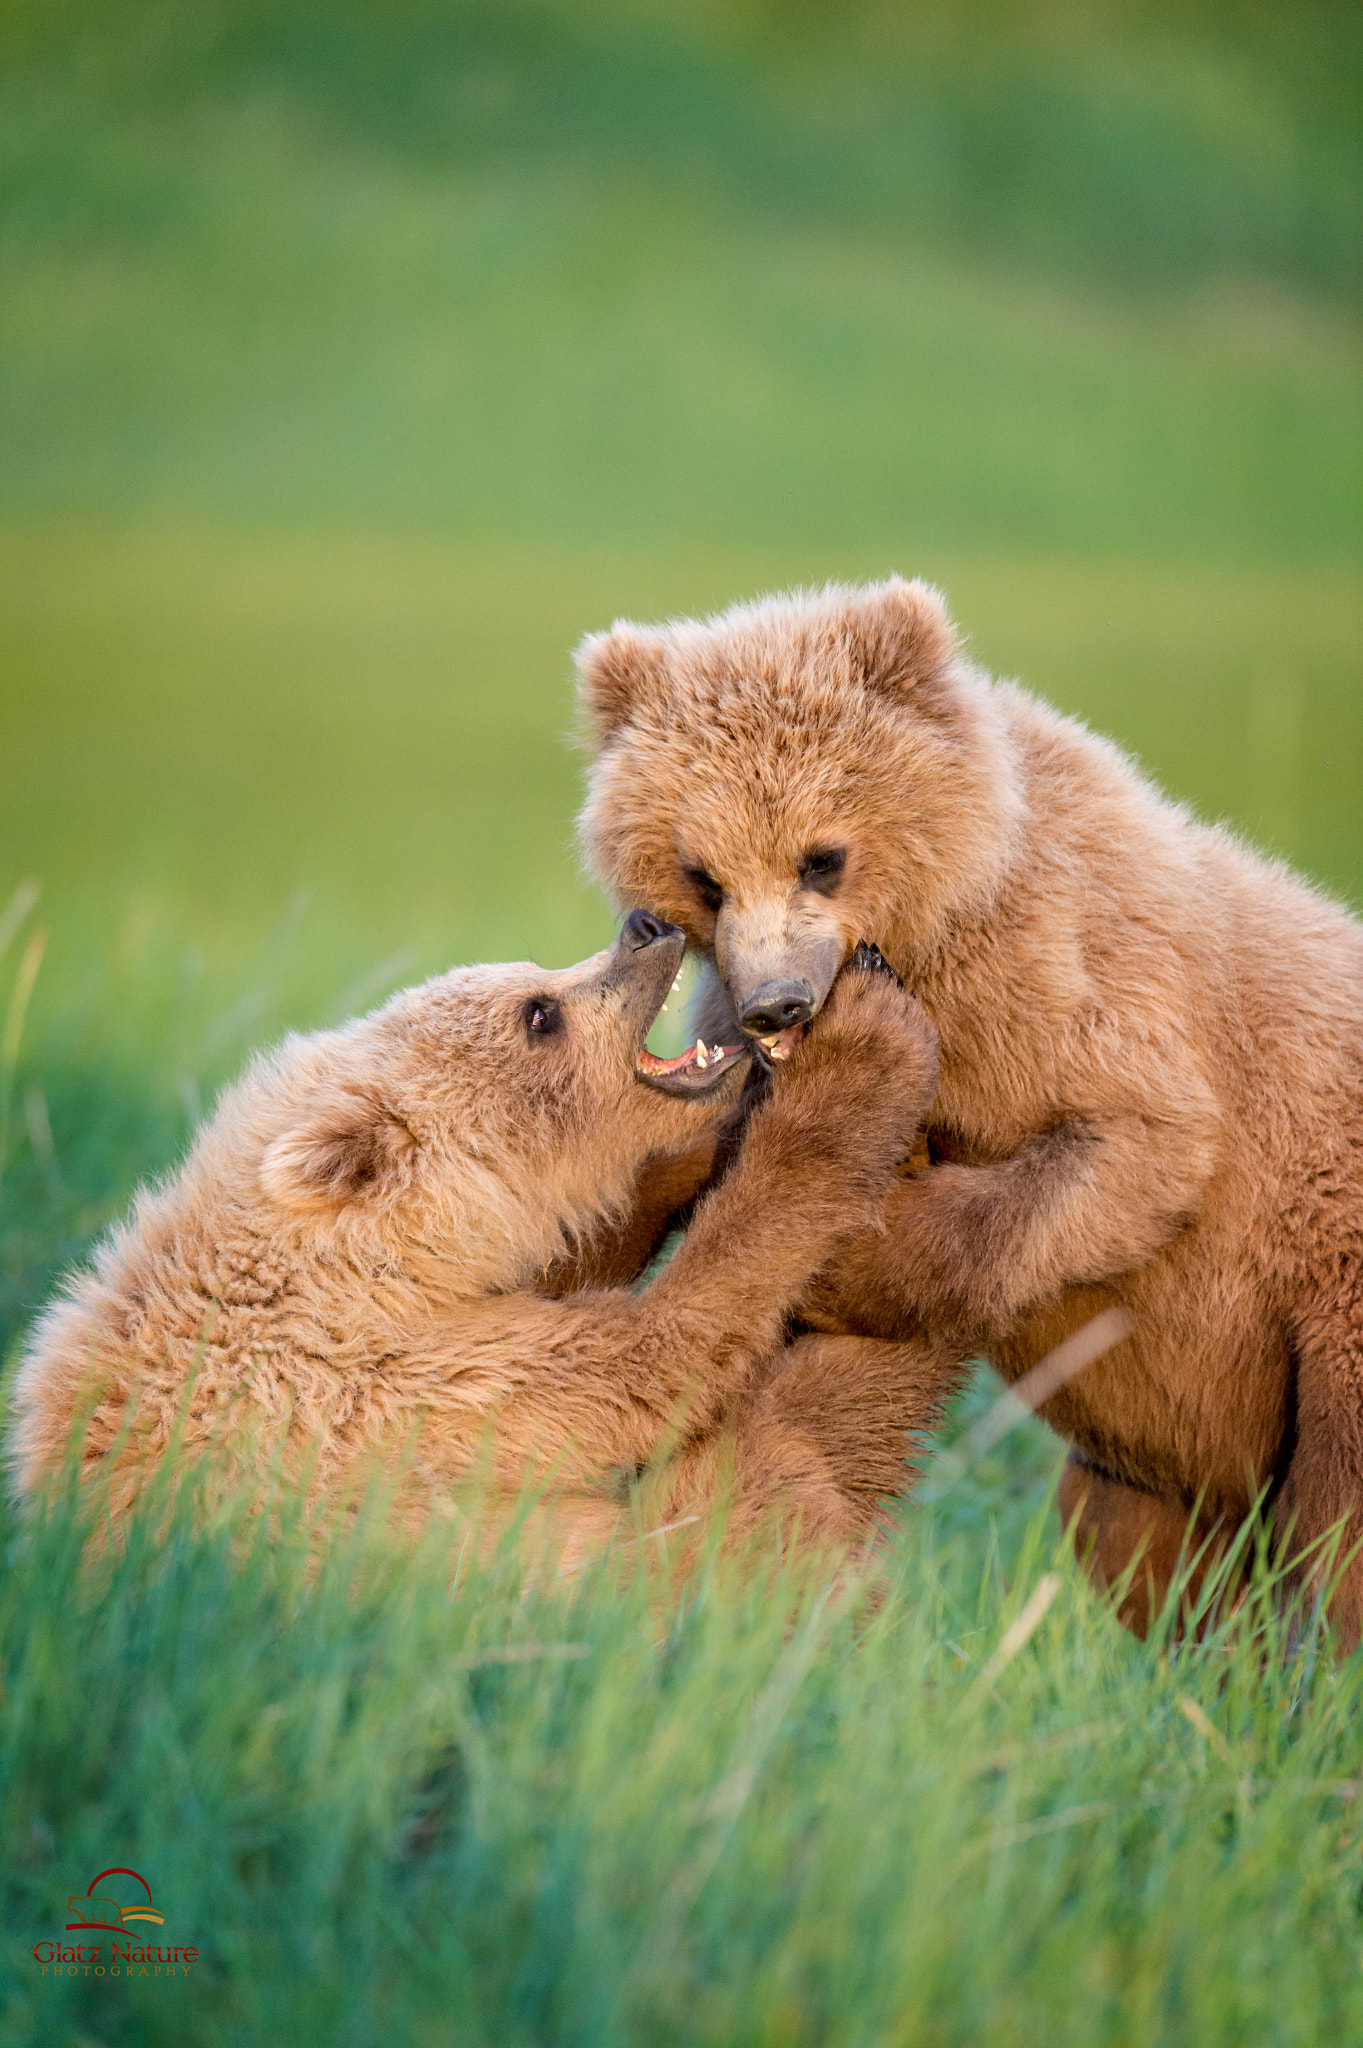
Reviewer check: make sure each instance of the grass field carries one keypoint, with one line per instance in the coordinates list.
(405, 1802)
(354, 360)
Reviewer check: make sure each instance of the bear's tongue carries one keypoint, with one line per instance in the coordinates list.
(698, 1055)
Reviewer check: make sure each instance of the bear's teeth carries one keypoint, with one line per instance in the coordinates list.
(779, 1045)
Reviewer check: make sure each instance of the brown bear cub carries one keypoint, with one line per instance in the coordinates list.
(1151, 1038)
(347, 1263)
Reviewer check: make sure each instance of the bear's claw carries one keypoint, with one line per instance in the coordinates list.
(870, 958)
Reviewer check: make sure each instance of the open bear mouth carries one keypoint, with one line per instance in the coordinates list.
(693, 1072)
(781, 1044)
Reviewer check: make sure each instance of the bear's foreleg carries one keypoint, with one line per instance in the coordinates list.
(827, 1436)
(965, 1249)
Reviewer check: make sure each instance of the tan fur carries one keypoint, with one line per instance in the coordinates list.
(349, 1263)
(1139, 1545)
(1152, 1038)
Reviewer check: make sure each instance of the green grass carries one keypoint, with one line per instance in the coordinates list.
(742, 1812)
(354, 360)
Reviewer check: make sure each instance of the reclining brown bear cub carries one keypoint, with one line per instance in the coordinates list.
(1152, 1039)
(350, 1255)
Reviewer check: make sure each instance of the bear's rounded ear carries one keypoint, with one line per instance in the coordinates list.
(902, 641)
(613, 670)
(347, 1145)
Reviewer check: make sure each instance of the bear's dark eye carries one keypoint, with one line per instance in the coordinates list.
(543, 1017)
(706, 887)
(822, 868)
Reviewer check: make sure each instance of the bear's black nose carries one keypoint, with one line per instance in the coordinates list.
(775, 1006)
(641, 928)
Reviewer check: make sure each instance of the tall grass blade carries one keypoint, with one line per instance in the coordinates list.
(12, 1035)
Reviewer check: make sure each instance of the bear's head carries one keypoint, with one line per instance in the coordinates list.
(792, 776)
(459, 1130)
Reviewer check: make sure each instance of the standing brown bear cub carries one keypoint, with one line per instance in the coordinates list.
(1151, 1039)
(348, 1262)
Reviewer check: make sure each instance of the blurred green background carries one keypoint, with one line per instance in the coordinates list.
(355, 358)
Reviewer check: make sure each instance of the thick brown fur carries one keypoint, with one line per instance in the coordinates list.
(1152, 1037)
(349, 1265)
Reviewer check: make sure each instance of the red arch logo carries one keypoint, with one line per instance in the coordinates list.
(116, 1918)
